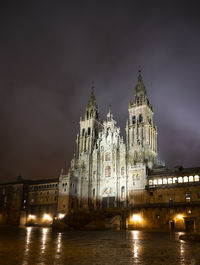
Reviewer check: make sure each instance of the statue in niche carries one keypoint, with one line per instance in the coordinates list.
(122, 171)
(107, 156)
(107, 171)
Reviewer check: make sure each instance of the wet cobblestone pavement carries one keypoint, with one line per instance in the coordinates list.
(33, 245)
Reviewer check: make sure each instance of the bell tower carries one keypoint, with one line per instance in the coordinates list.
(141, 133)
(89, 127)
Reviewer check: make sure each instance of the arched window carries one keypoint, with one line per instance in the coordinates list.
(150, 182)
(164, 181)
(185, 179)
(93, 193)
(155, 182)
(108, 171)
(196, 178)
(169, 180)
(123, 192)
(133, 119)
(89, 130)
(83, 132)
(175, 180)
(140, 118)
(191, 179)
(160, 182)
(180, 179)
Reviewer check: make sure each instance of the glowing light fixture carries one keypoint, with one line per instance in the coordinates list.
(31, 217)
(136, 218)
(180, 216)
(61, 215)
(47, 217)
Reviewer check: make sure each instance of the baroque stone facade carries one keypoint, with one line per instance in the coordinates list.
(122, 179)
(105, 169)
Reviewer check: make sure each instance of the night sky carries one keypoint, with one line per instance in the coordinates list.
(52, 51)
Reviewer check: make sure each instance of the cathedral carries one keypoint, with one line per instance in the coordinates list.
(111, 176)
(106, 170)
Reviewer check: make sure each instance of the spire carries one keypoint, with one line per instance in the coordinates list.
(92, 108)
(92, 99)
(139, 76)
(140, 91)
(140, 85)
(109, 115)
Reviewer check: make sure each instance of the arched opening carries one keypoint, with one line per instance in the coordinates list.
(180, 179)
(155, 182)
(164, 181)
(175, 180)
(169, 180)
(108, 198)
(122, 192)
(133, 119)
(93, 194)
(185, 179)
(191, 179)
(140, 118)
(160, 182)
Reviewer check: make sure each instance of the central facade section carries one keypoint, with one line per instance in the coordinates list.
(106, 171)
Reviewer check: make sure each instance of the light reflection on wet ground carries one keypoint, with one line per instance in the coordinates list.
(34, 245)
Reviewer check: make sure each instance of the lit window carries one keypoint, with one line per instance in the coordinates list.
(150, 182)
(160, 181)
(180, 179)
(169, 180)
(175, 180)
(155, 181)
(196, 178)
(185, 179)
(164, 181)
(191, 179)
